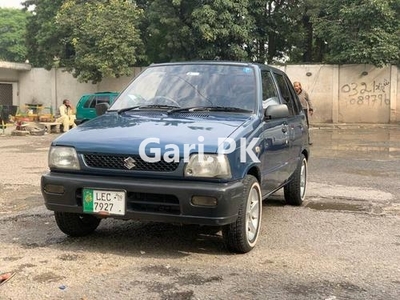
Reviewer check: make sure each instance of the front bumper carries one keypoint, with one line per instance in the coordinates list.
(155, 200)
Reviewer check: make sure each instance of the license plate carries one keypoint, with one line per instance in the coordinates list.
(104, 202)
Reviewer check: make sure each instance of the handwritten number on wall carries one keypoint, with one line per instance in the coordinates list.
(367, 94)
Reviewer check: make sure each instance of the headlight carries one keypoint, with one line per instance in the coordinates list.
(63, 158)
(208, 165)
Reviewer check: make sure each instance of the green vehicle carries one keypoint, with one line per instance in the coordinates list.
(86, 107)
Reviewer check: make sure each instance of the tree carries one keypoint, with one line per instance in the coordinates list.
(43, 36)
(98, 38)
(275, 29)
(169, 33)
(103, 39)
(188, 30)
(305, 45)
(90, 39)
(396, 9)
(221, 29)
(12, 34)
(360, 31)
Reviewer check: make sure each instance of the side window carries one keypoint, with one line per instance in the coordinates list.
(296, 102)
(89, 102)
(269, 92)
(99, 99)
(286, 94)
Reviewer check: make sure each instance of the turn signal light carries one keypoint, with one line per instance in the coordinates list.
(204, 201)
(54, 189)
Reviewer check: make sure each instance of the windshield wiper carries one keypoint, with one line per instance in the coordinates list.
(120, 111)
(152, 106)
(209, 108)
(228, 108)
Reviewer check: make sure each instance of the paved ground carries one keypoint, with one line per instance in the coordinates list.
(344, 243)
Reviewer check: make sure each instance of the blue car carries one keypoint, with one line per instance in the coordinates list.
(192, 143)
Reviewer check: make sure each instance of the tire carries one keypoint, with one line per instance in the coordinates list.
(76, 224)
(241, 236)
(295, 190)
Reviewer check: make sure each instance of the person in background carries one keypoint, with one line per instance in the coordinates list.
(305, 103)
(67, 115)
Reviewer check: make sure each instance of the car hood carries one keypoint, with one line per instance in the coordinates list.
(113, 133)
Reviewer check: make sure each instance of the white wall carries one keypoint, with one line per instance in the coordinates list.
(320, 81)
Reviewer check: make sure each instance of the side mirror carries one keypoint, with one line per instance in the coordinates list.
(276, 112)
(101, 108)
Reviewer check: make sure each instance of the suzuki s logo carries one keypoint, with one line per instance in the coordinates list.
(129, 163)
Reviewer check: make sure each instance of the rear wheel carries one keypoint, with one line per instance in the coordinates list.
(295, 190)
(241, 236)
(76, 224)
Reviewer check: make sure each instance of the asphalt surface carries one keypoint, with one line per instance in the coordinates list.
(343, 243)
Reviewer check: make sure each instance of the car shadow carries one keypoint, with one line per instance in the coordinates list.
(114, 236)
(120, 237)
(276, 199)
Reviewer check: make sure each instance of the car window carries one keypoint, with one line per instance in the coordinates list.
(296, 102)
(99, 99)
(89, 101)
(269, 92)
(286, 94)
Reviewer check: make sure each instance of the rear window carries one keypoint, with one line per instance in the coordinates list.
(99, 99)
(90, 101)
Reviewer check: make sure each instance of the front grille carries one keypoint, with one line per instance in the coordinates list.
(194, 115)
(118, 163)
(155, 203)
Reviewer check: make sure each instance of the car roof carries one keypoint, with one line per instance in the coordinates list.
(100, 93)
(106, 93)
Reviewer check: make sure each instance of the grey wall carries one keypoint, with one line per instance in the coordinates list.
(340, 94)
(350, 93)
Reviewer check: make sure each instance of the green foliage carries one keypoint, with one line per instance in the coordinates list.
(103, 38)
(187, 30)
(303, 45)
(275, 29)
(360, 31)
(94, 39)
(168, 35)
(221, 29)
(43, 36)
(91, 39)
(12, 34)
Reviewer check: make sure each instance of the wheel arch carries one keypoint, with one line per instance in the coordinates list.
(306, 153)
(255, 171)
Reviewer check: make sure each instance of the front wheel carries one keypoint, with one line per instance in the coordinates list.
(76, 224)
(295, 190)
(241, 236)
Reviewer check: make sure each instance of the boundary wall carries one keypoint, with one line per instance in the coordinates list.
(339, 93)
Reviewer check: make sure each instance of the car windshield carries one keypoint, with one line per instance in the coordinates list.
(191, 86)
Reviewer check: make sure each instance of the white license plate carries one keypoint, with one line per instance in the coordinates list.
(104, 202)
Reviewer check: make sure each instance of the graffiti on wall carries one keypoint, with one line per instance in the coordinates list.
(367, 94)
